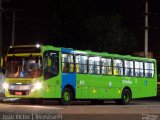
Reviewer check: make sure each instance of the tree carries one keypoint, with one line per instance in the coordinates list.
(106, 33)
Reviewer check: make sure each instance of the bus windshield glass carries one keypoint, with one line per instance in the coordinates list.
(24, 67)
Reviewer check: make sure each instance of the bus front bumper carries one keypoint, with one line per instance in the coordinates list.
(24, 91)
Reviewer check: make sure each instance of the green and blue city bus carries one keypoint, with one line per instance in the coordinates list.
(47, 72)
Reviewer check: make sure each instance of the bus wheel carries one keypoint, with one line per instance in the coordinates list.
(126, 97)
(67, 96)
(36, 100)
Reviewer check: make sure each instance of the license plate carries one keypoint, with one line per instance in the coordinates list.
(19, 87)
(18, 93)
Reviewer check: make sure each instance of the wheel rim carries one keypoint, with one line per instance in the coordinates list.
(66, 96)
(126, 97)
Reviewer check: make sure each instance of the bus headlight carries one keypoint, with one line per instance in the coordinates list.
(37, 85)
(38, 45)
(5, 85)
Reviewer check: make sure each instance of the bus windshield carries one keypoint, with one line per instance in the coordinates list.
(24, 67)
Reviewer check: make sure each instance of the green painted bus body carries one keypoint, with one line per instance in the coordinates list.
(51, 87)
(89, 86)
(110, 86)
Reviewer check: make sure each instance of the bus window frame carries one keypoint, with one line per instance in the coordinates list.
(74, 70)
(119, 67)
(127, 67)
(107, 66)
(138, 68)
(96, 65)
(81, 64)
(149, 69)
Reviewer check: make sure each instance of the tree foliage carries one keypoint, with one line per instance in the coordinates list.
(106, 33)
(102, 33)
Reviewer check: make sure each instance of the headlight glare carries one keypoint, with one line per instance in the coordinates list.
(5, 85)
(38, 85)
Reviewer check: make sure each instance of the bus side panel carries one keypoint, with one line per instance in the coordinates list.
(97, 87)
(53, 87)
(69, 79)
(104, 87)
(131, 83)
(82, 90)
(147, 87)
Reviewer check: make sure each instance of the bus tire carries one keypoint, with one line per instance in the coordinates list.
(67, 97)
(36, 100)
(125, 98)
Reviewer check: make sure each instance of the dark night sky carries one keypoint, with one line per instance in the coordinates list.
(35, 20)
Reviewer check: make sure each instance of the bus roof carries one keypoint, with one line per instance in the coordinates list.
(105, 54)
(87, 52)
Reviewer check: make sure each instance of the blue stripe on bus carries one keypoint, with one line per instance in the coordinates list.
(68, 78)
(67, 50)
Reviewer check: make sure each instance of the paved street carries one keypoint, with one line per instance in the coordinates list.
(145, 109)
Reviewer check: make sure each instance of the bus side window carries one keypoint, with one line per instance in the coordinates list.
(71, 67)
(149, 69)
(63, 66)
(77, 68)
(81, 63)
(106, 66)
(118, 67)
(116, 71)
(109, 70)
(94, 65)
(128, 64)
(67, 63)
(139, 69)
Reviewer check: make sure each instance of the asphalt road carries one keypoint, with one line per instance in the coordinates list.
(141, 109)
